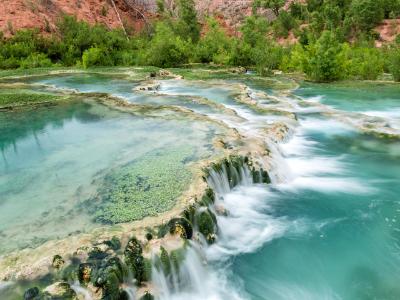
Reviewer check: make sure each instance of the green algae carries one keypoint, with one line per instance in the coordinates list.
(146, 187)
(10, 100)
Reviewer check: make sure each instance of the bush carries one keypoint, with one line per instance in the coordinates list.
(94, 57)
(367, 13)
(394, 63)
(166, 49)
(365, 63)
(35, 60)
(284, 23)
(215, 46)
(324, 60)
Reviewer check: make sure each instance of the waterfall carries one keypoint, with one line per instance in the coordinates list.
(223, 179)
(280, 170)
(187, 280)
(80, 290)
(131, 292)
(242, 230)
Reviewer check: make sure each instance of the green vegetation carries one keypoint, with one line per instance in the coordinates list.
(146, 187)
(20, 99)
(331, 40)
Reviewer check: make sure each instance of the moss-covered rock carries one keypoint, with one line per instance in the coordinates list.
(207, 225)
(232, 166)
(60, 291)
(114, 243)
(96, 254)
(135, 260)
(110, 275)
(57, 262)
(147, 296)
(182, 227)
(260, 176)
(165, 261)
(85, 271)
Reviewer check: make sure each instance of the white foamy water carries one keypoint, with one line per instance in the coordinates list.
(5, 284)
(196, 280)
(392, 116)
(247, 226)
(81, 291)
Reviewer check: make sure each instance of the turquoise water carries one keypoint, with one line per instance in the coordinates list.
(329, 229)
(54, 159)
(334, 223)
(342, 236)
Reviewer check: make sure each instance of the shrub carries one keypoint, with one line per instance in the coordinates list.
(324, 60)
(366, 13)
(167, 49)
(93, 57)
(394, 63)
(215, 46)
(35, 60)
(366, 63)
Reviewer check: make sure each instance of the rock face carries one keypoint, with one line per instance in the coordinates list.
(43, 14)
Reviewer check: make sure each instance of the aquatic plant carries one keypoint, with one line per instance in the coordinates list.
(8, 100)
(146, 187)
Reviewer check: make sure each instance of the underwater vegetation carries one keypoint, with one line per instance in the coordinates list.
(9, 100)
(143, 188)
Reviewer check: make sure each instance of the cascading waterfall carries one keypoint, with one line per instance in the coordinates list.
(80, 290)
(239, 230)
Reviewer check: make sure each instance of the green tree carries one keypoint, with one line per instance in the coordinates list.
(324, 60)
(274, 5)
(215, 46)
(254, 30)
(365, 63)
(188, 25)
(166, 49)
(394, 63)
(366, 14)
